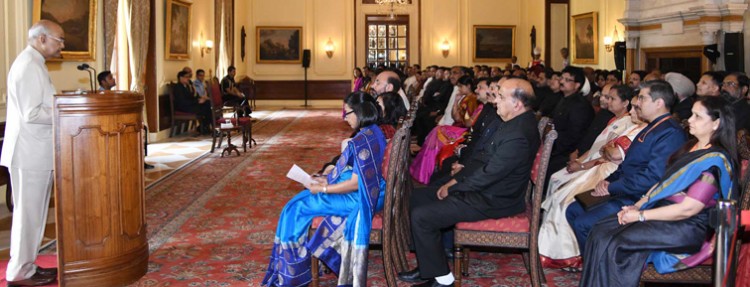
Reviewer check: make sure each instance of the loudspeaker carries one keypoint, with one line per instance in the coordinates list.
(306, 58)
(711, 52)
(620, 52)
(734, 55)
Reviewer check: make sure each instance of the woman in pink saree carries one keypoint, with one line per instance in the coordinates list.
(464, 113)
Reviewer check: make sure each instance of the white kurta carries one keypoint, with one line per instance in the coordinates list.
(28, 153)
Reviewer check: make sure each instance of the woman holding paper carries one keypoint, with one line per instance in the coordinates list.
(348, 198)
(668, 226)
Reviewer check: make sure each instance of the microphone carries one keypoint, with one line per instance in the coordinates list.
(88, 68)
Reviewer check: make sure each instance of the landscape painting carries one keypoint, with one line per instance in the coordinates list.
(585, 39)
(494, 43)
(178, 30)
(78, 19)
(279, 45)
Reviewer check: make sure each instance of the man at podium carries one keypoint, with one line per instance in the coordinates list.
(28, 151)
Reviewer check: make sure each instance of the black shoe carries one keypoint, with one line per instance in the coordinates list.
(147, 166)
(412, 276)
(431, 283)
(47, 271)
(35, 280)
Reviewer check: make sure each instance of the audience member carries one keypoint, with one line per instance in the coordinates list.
(571, 118)
(671, 221)
(684, 90)
(644, 164)
(614, 77)
(388, 81)
(734, 89)
(551, 98)
(564, 53)
(635, 79)
(106, 81)
(600, 121)
(392, 110)
(28, 151)
(200, 83)
(186, 101)
(710, 84)
(231, 95)
(348, 198)
(492, 185)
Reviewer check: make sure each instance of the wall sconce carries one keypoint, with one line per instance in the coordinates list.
(445, 47)
(329, 48)
(205, 46)
(608, 43)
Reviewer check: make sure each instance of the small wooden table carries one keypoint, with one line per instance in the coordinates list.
(230, 147)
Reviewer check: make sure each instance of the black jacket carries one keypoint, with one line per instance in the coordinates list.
(494, 181)
(571, 117)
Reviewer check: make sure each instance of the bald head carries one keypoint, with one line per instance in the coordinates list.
(515, 98)
(48, 38)
(386, 81)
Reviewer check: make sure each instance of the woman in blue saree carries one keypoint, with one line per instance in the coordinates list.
(669, 225)
(352, 192)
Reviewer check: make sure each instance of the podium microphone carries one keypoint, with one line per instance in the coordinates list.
(88, 68)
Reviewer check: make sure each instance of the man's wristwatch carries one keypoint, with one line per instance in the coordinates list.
(641, 218)
(325, 189)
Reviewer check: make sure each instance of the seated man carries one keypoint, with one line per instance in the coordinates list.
(231, 95)
(644, 164)
(186, 101)
(493, 185)
(200, 83)
(106, 81)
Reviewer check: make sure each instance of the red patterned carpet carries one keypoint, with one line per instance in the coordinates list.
(212, 223)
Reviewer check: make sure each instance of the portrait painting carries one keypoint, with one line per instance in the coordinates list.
(494, 43)
(78, 21)
(178, 30)
(585, 39)
(278, 45)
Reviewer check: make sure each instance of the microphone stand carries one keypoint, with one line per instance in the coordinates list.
(91, 78)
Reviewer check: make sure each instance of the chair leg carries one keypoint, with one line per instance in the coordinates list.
(315, 272)
(458, 256)
(465, 266)
(213, 142)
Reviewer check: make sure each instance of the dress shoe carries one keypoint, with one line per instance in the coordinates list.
(431, 283)
(147, 166)
(411, 276)
(35, 280)
(49, 272)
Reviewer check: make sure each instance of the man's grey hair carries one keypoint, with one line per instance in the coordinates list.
(40, 28)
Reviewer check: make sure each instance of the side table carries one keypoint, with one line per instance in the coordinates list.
(231, 147)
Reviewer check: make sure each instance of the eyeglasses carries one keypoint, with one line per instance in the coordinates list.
(61, 40)
(564, 79)
(730, 84)
(347, 113)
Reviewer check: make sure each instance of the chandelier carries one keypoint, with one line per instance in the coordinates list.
(391, 6)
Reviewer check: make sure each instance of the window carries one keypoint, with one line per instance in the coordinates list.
(387, 41)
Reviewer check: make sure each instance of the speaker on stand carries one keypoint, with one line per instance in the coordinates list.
(620, 55)
(306, 64)
(734, 52)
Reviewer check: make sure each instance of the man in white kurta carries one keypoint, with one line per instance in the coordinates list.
(28, 151)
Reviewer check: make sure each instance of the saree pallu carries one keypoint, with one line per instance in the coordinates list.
(342, 240)
(679, 179)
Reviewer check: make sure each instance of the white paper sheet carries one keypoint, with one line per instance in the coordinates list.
(297, 174)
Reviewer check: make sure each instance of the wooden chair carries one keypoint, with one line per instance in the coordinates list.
(517, 232)
(703, 273)
(178, 118)
(219, 109)
(390, 227)
(246, 85)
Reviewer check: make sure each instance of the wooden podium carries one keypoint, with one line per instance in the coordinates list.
(99, 189)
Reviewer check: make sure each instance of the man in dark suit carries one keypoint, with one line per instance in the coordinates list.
(644, 164)
(492, 185)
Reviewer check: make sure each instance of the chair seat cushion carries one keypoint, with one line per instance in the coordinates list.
(243, 121)
(516, 223)
(377, 221)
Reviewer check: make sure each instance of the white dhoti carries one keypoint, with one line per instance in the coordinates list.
(31, 195)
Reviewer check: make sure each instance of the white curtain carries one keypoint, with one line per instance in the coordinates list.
(224, 23)
(130, 44)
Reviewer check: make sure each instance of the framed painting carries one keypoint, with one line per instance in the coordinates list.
(278, 45)
(77, 19)
(585, 35)
(494, 43)
(178, 30)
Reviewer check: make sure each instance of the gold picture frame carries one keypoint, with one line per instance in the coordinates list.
(585, 38)
(78, 24)
(278, 45)
(494, 43)
(177, 44)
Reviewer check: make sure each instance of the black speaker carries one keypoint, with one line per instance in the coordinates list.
(711, 52)
(306, 58)
(620, 51)
(734, 55)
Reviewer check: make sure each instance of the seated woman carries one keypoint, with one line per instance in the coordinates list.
(465, 113)
(348, 198)
(672, 220)
(185, 100)
(393, 109)
(557, 243)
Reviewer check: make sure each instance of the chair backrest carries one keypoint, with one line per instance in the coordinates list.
(542, 125)
(538, 187)
(246, 85)
(170, 92)
(215, 91)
